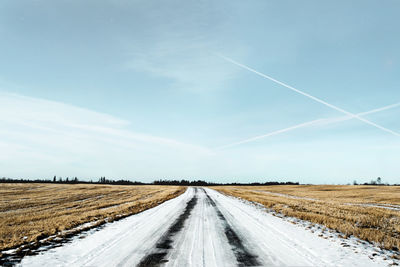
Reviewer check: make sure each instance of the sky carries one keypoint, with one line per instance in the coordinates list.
(144, 90)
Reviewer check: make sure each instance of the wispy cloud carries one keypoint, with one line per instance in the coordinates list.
(177, 45)
(36, 132)
(188, 64)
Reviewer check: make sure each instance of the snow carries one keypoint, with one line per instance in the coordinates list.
(285, 195)
(370, 205)
(203, 240)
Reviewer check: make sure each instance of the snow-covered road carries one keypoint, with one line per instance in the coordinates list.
(201, 228)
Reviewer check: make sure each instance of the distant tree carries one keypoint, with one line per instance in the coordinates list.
(379, 180)
(54, 179)
(355, 182)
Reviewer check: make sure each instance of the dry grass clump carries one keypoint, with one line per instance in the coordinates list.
(31, 212)
(351, 210)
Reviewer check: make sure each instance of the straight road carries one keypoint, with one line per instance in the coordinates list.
(201, 228)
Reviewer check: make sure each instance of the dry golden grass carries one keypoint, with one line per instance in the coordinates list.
(337, 207)
(30, 212)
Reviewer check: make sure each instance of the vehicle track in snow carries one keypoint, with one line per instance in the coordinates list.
(243, 256)
(165, 243)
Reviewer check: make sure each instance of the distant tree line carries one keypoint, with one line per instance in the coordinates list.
(74, 180)
(378, 181)
(104, 180)
(183, 182)
(204, 183)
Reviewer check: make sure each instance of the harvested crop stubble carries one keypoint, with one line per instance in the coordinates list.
(371, 213)
(30, 212)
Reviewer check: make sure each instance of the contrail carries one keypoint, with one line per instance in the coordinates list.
(379, 109)
(364, 113)
(271, 134)
(311, 97)
(305, 124)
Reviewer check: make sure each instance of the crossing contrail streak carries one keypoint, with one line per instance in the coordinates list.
(311, 97)
(305, 124)
(271, 134)
(344, 118)
(379, 109)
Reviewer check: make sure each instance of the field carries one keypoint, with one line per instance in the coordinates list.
(371, 213)
(32, 212)
(46, 224)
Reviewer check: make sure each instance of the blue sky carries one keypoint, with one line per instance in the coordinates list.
(136, 89)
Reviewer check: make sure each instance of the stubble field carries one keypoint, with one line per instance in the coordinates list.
(32, 212)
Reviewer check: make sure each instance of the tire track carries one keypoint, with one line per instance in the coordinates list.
(243, 255)
(165, 242)
(97, 251)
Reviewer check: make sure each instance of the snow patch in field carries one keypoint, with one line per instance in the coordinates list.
(370, 205)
